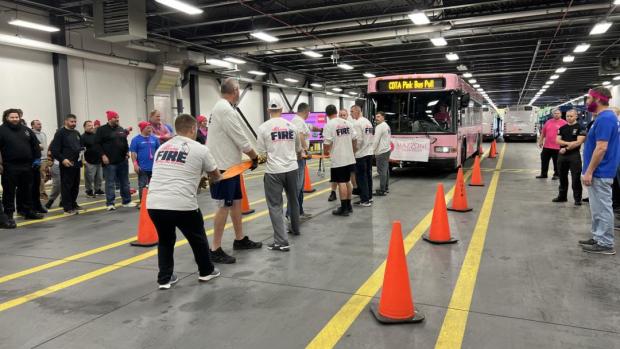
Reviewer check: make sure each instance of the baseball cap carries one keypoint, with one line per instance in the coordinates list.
(274, 104)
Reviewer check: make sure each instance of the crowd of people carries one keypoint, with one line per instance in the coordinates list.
(561, 141)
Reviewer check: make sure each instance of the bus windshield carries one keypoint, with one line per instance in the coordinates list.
(419, 112)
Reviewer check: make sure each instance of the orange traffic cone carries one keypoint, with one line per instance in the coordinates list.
(307, 183)
(440, 228)
(396, 304)
(147, 234)
(493, 151)
(459, 199)
(476, 174)
(245, 204)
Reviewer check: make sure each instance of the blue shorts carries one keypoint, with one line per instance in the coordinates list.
(227, 190)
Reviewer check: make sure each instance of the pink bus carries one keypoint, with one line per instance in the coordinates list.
(436, 119)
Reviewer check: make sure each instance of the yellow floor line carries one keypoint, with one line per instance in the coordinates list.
(126, 262)
(455, 321)
(337, 326)
(91, 252)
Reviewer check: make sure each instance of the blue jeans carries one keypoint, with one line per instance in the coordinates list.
(602, 212)
(113, 173)
(301, 176)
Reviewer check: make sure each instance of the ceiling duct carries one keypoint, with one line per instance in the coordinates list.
(120, 20)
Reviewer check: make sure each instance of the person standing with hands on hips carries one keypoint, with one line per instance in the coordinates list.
(142, 149)
(550, 148)
(601, 156)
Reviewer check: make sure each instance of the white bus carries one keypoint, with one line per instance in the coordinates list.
(520, 123)
(490, 127)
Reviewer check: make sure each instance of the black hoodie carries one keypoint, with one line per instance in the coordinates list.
(18, 144)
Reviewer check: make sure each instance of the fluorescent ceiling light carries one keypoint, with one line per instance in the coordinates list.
(312, 54)
(369, 75)
(605, 83)
(353, 93)
(439, 41)
(467, 75)
(345, 66)
(600, 28)
(32, 25)
(264, 36)
(560, 70)
(181, 6)
(419, 18)
(479, 90)
(337, 89)
(554, 77)
(328, 93)
(291, 80)
(617, 77)
(549, 82)
(476, 85)
(314, 84)
(234, 60)
(581, 48)
(568, 59)
(218, 62)
(545, 86)
(452, 56)
(256, 72)
(461, 67)
(144, 48)
(472, 81)
(617, 2)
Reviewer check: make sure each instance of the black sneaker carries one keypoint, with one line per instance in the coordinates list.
(585, 200)
(90, 194)
(79, 208)
(49, 204)
(340, 211)
(332, 196)
(278, 247)
(293, 232)
(379, 193)
(173, 280)
(559, 199)
(246, 244)
(215, 273)
(99, 192)
(9, 224)
(219, 256)
(578, 203)
(41, 210)
(596, 248)
(587, 242)
(541, 177)
(31, 215)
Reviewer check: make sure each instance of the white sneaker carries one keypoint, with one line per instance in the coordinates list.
(173, 280)
(215, 273)
(70, 213)
(130, 204)
(110, 208)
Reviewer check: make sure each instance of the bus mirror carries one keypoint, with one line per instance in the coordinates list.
(465, 100)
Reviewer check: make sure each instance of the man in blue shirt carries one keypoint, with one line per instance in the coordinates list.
(142, 149)
(601, 159)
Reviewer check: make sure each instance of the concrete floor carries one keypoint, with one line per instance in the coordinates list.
(535, 287)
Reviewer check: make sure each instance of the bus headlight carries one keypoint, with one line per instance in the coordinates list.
(445, 150)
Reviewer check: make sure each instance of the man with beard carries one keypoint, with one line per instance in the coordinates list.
(66, 148)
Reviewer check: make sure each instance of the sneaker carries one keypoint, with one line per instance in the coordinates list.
(173, 280)
(379, 193)
(306, 215)
(541, 177)
(246, 244)
(49, 204)
(215, 273)
(340, 211)
(70, 213)
(130, 204)
(578, 203)
(41, 210)
(596, 248)
(79, 208)
(90, 194)
(99, 192)
(371, 200)
(559, 199)
(589, 242)
(278, 247)
(555, 177)
(110, 208)
(293, 232)
(31, 215)
(363, 204)
(219, 256)
(9, 224)
(332, 196)
(585, 200)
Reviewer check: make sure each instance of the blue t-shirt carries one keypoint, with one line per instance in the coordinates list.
(145, 147)
(605, 128)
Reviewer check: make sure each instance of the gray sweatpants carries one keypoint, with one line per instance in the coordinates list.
(274, 185)
(383, 169)
(55, 171)
(92, 176)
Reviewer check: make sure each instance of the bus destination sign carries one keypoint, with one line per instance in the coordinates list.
(410, 84)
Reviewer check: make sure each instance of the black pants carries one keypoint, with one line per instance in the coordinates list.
(17, 179)
(546, 155)
(191, 225)
(363, 174)
(69, 186)
(572, 163)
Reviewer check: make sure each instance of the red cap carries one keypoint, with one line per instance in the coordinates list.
(97, 122)
(143, 125)
(111, 114)
(201, 118)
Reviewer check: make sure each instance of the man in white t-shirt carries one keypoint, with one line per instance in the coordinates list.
(227, 142)
(339, 142)
(178, 167)
(303, 133)
(381, 149)
(343, 114)
(363, 156)
(277, 138)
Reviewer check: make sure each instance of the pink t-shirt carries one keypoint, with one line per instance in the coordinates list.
(550, 132)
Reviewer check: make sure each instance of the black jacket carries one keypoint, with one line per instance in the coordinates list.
(66, 145)
(92, 155)
(112, 142)
(18, 145)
